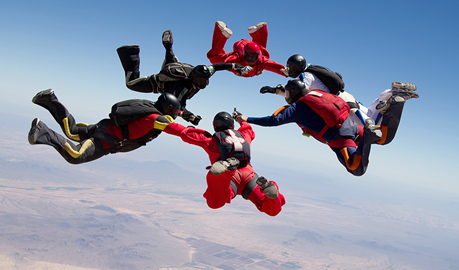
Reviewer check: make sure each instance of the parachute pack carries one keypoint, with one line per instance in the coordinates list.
(332, 80)
(232, 144)
(127, 111)
(175, 71)
(333, 109)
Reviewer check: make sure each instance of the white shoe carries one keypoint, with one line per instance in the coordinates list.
(253, 29)
(225, 30)
(404, 90)
(406, 86)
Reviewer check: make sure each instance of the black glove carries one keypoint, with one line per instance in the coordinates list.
(236, 113)
(272, 90)
(186, 115)
(268, 89)
(238, 68)
(195, 119)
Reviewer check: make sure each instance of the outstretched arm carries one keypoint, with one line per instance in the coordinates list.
(228, 66)
(275, 67)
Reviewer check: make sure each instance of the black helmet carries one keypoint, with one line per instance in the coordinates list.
(223, 121)
(296, 64)
(200, 76)
(294, 90)
(168, 104)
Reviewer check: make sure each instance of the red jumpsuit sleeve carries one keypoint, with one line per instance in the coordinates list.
(195, 136)
(247, 131)
(174, 129)
(272, 66)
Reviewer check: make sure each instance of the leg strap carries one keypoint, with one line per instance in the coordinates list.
(234, 187)
(355, 164)
(249, 187)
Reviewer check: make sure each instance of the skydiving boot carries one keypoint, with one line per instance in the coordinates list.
(258, 26)
(40, 134)
(404, 90)
(168, 40)
(130, 60)
(48, 100)
(222, 166)
(43, 98)
(268, 188)
(224, 29)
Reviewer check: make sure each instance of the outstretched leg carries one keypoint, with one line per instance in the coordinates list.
(267, 200)
(356, 159)
(259, 34)
(48, 100)
(219, 190)
(167, 43)
(262, 193)
(221, 34)
(391, 118)
(87, 150)
(130, 60)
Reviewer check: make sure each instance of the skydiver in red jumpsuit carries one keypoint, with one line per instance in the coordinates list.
(251, 54)
(231, 173)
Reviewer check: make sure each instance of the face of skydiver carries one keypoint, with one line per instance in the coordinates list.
(201, 82)
(296, 64)
(294, 89)
(251, 52)
(173, 111)
(200, 76)
(251, 57)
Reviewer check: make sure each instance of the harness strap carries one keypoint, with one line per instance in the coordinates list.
(125, 132)
(113, 141)
(249, 187)
(234, 187)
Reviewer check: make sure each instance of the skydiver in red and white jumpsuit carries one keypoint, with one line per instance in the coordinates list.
(240, 179)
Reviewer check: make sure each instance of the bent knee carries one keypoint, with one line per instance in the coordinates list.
(214, 205)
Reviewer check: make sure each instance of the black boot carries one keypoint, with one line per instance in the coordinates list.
(48, 100)
(167, 43)
(130, 60)
(40, 134)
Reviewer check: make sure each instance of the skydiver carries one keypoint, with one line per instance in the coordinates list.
(104, 137)
(350, 142)
(297, 68)
(253, 55)
(180, 79)
(231, 173)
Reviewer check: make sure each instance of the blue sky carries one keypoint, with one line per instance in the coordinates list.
(71, 47)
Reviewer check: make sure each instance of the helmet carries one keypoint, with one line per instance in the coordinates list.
(168, 104)
(251, 52)
(200, 76)
(294, 89)
(223, 121)
(296, 64)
